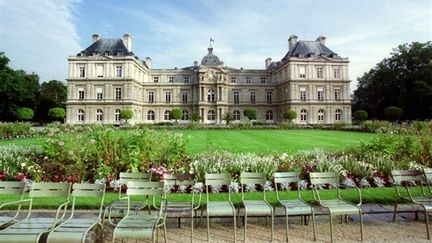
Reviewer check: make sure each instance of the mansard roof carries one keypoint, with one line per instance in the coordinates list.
(111, 47)
(310, 48)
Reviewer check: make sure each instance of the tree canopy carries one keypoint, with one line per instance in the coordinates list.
(24, 113)
(250, 114)
(403, 80)
(126, 115)
(176, 114)
(57, 113)
(290, 115)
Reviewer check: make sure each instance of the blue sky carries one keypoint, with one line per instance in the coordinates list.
(39, 35)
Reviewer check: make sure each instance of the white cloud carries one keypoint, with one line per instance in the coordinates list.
(39, 35)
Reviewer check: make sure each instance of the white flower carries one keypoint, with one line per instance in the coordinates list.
(182, 188)
(285, 186)
(198, 187)
(364, 183)
(215, 188)
(379, 182)
(268, 186)
(23, 164)
(234, 187)
(250, 188)
(303, 184)
(348, 182)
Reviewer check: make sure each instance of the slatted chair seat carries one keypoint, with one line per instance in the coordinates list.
(256, 207)
(296, 207)
(220, 209)
(340, 207)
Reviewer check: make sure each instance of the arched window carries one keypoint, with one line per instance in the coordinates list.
(211, 116)
(167, 115)
(185, 115)
(117, 115)
(211, 95)
(321, 115)
(80, 115)
(338, 114)
(236, 115)
(303, 115)
(99, 115)
(269, 115)
(150, 115)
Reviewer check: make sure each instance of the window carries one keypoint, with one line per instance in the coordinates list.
(336, 72)
(303, 94)
(168, 97)
(211, 116)
(320, 94)
(236, 115)
(184, 97)
(99, 115)
(82, 72)
(263, 80)
(338, 114)
(80, 115)
(99, 93)
(167, 115)
(269, 115)
(81, 93)
(303, 115)
(236, 97)
(248, 80)
(119, 71)
(337, 94)
(269, 97)
(118, 93)
(253, 97)
(319, 72)
(117, 115)
(185, 115)
(186, 79)
(233, 79)
(171, 79)
(151, 96)
(156, 79)
(320, 115)
(302, 72)
(210, 95)
(99, 70)
(150, 115)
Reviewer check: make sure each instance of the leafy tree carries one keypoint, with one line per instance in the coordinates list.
(290, 115)
(176, 114)
(250, 114)
(57, 113)
(52, 94)
(227, 117)
(24, 113)
(126, 115)
(393, 113)
(195, 117)
(360, 115)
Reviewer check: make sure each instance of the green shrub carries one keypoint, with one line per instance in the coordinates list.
(17, 161)
(15, 129)
(57, 113)
(24, 114)
(360, 115)
(176, 114)
(250, 114)
(393, 113)
(290, 115)
(126, 115)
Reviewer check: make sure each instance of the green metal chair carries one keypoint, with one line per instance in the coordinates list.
(402, 178)
(76, 229)
(255, 207)
(293, 206)
(118, 207)
(179, 208)
(336, 206)
(140, 225)
(30, 229)
(219, 208)
(12, 188)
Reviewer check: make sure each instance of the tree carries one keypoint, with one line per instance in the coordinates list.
(250, 114)
(290, 115)
(393, 113)
(360, 115)
(57, 113)
(52, 94)
(24, 113)
(126, 115)
(227, 117)
(195, 117)
(176, 114)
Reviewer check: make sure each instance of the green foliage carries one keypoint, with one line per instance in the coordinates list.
(24, 113)
(227, 117)
(176, 114)
(126, 115)
(195, 117)
(290, 115)
(15, 129)
(393, 113)
(16, 161)
(57, 113)
(360, 115)
(52, 94)
(250, 114)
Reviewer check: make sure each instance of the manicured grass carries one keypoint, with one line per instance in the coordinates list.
(258, 141)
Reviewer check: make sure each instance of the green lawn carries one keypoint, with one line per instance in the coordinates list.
(258, 141)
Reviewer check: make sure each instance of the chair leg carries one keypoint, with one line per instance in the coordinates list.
(235, 227)
(208, 227)
(331, 228)
(286, 224)
(313, 225)
(245, 227)
(361, 225)
(165, 232)
(395, 211)
(272, 225)
(342, 216)
(192, 225)
(427, 224)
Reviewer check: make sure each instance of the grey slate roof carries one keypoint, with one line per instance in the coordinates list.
(112, 47)
(210, 59)
(310, 48)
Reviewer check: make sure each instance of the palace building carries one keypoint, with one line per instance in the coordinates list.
(107, 77)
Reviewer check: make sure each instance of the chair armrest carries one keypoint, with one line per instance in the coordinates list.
(199, 202)
(15, 202)
(410, 197)
(64, 205)
(360, 196)
(316, 195)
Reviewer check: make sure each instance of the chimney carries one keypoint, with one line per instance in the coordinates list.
(148, 61)
(195, 63)
(268, 62)
(127, 41)
(292, 41)
(95, 37)
(321, 39)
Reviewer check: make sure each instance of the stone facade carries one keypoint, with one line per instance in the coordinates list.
(107, 77)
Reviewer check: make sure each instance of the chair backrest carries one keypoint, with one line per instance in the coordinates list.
(428, 175)
(12, 188)
(50, 189)
(247, 178)
(125, 177)
(400, 176)
(88, 190)
(286, 178)
(179, 179)
(223, 179)
(145, 188)
(319, 178)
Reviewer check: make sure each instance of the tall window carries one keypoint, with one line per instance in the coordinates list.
(320, 115)
(337, 94)
(150, 115)
(338, 114)
(168, 97)
(186, 79)
(210, 95)
(248, 80)
(269, 115)
(81, 93)
(263, 80)
(99, 70)
(320, 94)
(99, 93)
(80, 115)
(119, 71)
(302, 72)
(167, 115)
(99, 115)
(211, 116)
(303, 115)
(82, 72)
(303, 94)
(151, 97)
(336, 72)
(269, 97)
(156, 79)
(233, 79)
(117, 115)
(118, 93)
(236, 115)
(253, 97)
(319, 71)
(185, 115)
(171, 79)
(185, 97)
(236, 97)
